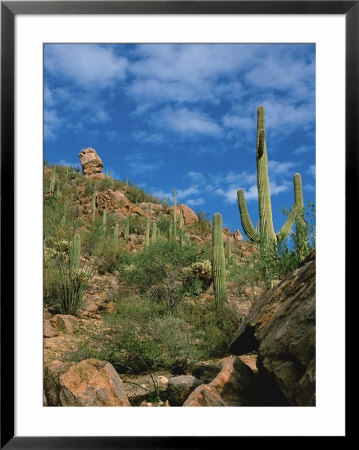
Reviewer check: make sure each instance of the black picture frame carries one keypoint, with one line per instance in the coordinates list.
(9, 9)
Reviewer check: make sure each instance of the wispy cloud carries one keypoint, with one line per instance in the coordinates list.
(187, 122)
(90, 66)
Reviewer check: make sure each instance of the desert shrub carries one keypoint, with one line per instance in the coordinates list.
(198, 276)
(157, 270)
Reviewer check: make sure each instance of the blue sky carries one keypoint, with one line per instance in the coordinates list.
(184, 116)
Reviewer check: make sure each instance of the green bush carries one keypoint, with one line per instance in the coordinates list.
(157, 271)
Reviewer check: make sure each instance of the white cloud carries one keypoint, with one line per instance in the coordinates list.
(195, 202)
(187, 122)
(280, 168)
(51, 123)
(90, 66)
(311, 170)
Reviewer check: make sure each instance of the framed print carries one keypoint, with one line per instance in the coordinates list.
(176, 181)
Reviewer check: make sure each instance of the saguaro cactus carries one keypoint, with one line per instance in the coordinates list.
(115, 236)
(154, 232)
(265, 208)
(75, 252)
(174, 215)
(52, 180)
(301, 238)
(104, 221)
(93, 206)
(218, 263)
(180, 225)
(170, 231)
(147, 239)
(127, 227)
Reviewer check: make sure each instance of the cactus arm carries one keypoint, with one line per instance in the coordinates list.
(245, 218)
(285, 230)
(147, 239)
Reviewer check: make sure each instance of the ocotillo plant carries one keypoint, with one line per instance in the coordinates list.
(75, 252)
(218, 263)
(265, 208)
(154, 232)
(174, 215)
(147, 239)
(127, 227)
(52, 180)
(115, 236)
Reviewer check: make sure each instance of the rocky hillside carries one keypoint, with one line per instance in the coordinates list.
(130, 317)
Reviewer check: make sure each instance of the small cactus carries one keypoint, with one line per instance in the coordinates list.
(115, 236)
(218, 263)
(147, 239)
(104, 221)
(170, 231)
(154, 232)
(75, 252)
(52, 180)
(93, 206)
(174, 215)
(127, 227)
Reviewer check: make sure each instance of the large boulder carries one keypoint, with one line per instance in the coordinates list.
(235, 385)
(88, 383)
(91, 163)
(281, 328)
(188, 215)
(179, 388)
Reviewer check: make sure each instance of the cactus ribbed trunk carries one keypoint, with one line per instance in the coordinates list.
(170, 231)
(301, 238)
(76, 252)
(265, 205)
(154, 232)
(104, 221)
(218, 263)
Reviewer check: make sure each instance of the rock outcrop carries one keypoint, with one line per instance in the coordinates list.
(91, 163)
(189, 216)
(281, 328)
(235, 385)
(88, 383)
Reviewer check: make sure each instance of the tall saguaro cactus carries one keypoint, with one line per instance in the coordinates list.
(93, 206)
(265, 207)
(218, 263)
